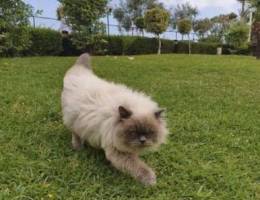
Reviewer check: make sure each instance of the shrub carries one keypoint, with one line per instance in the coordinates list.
(127, 45)
(14, 20)
(237, 34)
(14, 42)
(211, 39)
(115, 45)
(44, 41)
(140, 45)
(196, 48)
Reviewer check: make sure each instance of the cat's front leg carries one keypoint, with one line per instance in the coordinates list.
(76, 142)
(131, 163)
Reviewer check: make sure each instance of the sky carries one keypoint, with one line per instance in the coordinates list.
(207, 8)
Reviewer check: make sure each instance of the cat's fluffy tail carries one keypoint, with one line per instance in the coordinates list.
(84, 60)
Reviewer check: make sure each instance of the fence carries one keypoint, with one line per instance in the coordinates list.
(112, 29)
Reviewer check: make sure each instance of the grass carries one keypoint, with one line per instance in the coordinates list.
(213, 151)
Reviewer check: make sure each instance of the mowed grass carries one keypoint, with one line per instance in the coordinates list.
(213, 112)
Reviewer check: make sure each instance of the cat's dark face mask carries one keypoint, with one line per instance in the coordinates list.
(139, 133)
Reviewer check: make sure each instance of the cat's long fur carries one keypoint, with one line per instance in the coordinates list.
(91, 111)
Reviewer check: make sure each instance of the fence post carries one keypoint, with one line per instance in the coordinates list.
(109, 10)
(33, 21)
(108, 24)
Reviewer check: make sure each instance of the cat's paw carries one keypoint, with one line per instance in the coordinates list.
(147, 177)
(76, 143)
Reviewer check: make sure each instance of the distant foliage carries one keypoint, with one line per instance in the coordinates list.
(156, 20)
(44, 42)
(82, 16)
(127, 23)
(211, 39)
(183, 11)
(237, 35)
(128, 11)
(256, 5)
(139, 23)
(221, 24)
(14, 20)
(184, 26)
(202, 26)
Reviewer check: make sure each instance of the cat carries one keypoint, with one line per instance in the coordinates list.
(113, 117)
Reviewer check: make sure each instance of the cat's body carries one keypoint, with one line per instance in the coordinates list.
(113, 117)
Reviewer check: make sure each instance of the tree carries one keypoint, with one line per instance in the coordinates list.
(202, 26)
(119, 15)
(131, 10)
(183, 11)
(256, 5)
(184, 27)
(82, 16)
(127, 23)
(14, 22)
(220, 25)
(139, 23)
(237, 34)
(156, 21)
(60, 12)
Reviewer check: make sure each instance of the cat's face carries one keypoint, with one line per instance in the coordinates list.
(143, 132)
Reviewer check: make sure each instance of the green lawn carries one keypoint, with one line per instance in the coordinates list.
(213, 151)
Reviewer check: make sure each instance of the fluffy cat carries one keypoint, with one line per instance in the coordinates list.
(113, 117)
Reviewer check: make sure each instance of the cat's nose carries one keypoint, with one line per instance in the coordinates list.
(142, 139)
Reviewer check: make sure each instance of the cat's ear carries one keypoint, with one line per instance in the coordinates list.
(124, 113)
(158, 114)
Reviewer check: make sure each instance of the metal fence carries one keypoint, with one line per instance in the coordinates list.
(112, 29)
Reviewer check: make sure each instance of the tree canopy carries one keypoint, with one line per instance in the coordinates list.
(82, 16)
(130, 10)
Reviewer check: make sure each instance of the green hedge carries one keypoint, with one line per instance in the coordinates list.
(126, 45)
(133, 45)
(196, 48)
(44, 42)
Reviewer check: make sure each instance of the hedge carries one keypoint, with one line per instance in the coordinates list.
(126, 45)
(44, 42)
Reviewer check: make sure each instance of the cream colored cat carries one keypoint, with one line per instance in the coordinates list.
(113, 117)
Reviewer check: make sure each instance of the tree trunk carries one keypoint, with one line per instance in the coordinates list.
(189, 44)
(159, 45)
(243, 9)
(256, 39)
